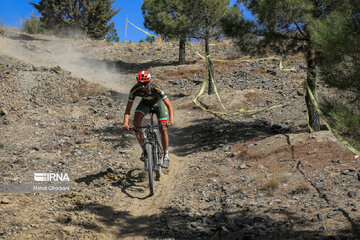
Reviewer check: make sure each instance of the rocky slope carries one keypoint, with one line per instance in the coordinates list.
(263, 177)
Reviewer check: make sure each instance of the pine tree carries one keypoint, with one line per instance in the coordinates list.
(32, 25)
(112, 35)
(207, 18)
(337, 40)
(90, 16)
(235, 25)
(286, 26)
(171, 18)
(182, 19)
(98, 13)
(51, 16)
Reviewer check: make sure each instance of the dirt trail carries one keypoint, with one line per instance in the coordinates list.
(72, 55)
(140, 203)
(246, 178)
(136, 199)
(133, 199)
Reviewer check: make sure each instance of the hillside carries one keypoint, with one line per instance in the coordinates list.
(231, 177)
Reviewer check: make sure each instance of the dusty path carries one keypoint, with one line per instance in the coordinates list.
(132, 198)
(75, 56)
(135, 199)
(257, 178)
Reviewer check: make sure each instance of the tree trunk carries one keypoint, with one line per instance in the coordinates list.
(182, 49)
(314, 119)
(210, 68)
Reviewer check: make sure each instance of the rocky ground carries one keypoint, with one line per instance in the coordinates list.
(231, 177)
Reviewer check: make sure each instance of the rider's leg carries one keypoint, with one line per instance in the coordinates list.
(165, 144)
(161, 114)
(137, 123)
(140, 112)
(162, 117)
(164, 138)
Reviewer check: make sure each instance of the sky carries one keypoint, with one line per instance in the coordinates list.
(13, 11)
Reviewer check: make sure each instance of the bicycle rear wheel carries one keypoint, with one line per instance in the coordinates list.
(149, 153)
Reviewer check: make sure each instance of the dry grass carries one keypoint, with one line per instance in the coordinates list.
(301, 188)
(159, 41)
(86, 90)
(271, 185)
(74, 97)
(109, 117)
(63, 219)
(94, 145)
(254, 96)
(180, 74)
(259, 70)
(244, 154)
(224, 65)
(239, 189)
(83, 89)
(189, 106)
(113, 176)
(86, 131)
(65, 151)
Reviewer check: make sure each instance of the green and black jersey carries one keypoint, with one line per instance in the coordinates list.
(150, 98)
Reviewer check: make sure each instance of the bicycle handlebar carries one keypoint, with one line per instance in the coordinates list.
(146, 126)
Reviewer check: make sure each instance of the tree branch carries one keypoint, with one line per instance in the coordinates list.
(284, 36)
(301, 32)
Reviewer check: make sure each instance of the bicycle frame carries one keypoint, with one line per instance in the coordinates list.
(153, 148)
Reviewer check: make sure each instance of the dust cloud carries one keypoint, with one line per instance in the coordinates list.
(76, 56)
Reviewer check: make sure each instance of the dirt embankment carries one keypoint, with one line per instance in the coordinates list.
(265, 177)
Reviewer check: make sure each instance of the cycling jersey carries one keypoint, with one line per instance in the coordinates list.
(151, 97)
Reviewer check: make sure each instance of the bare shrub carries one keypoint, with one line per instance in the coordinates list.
(301, 188)
(2, 31)
(32, 25)
(273, 183)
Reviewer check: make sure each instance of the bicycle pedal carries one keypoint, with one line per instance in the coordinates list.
(157, 177)
(145, 166)
(142, 176)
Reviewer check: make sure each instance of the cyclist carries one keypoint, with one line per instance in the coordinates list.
(152, 95)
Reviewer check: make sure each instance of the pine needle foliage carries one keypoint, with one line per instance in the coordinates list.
(112, 34)
(89, 16)
(286, 27)
(171, 19)
(344, 119)
(337, 39)
(32, 25)
(186, 19)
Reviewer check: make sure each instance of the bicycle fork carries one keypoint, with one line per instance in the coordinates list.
(157, 161)
(145, 142)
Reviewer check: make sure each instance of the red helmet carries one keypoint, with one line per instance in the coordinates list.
(143, 76)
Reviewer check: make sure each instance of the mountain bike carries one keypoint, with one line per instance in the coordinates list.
(153, 150)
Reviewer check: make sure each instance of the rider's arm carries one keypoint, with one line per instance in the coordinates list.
(171, 111)
(127, 115)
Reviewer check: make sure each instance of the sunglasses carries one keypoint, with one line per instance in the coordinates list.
(143, 84)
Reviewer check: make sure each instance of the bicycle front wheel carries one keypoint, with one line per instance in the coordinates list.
(149, 153)
(158, 159)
